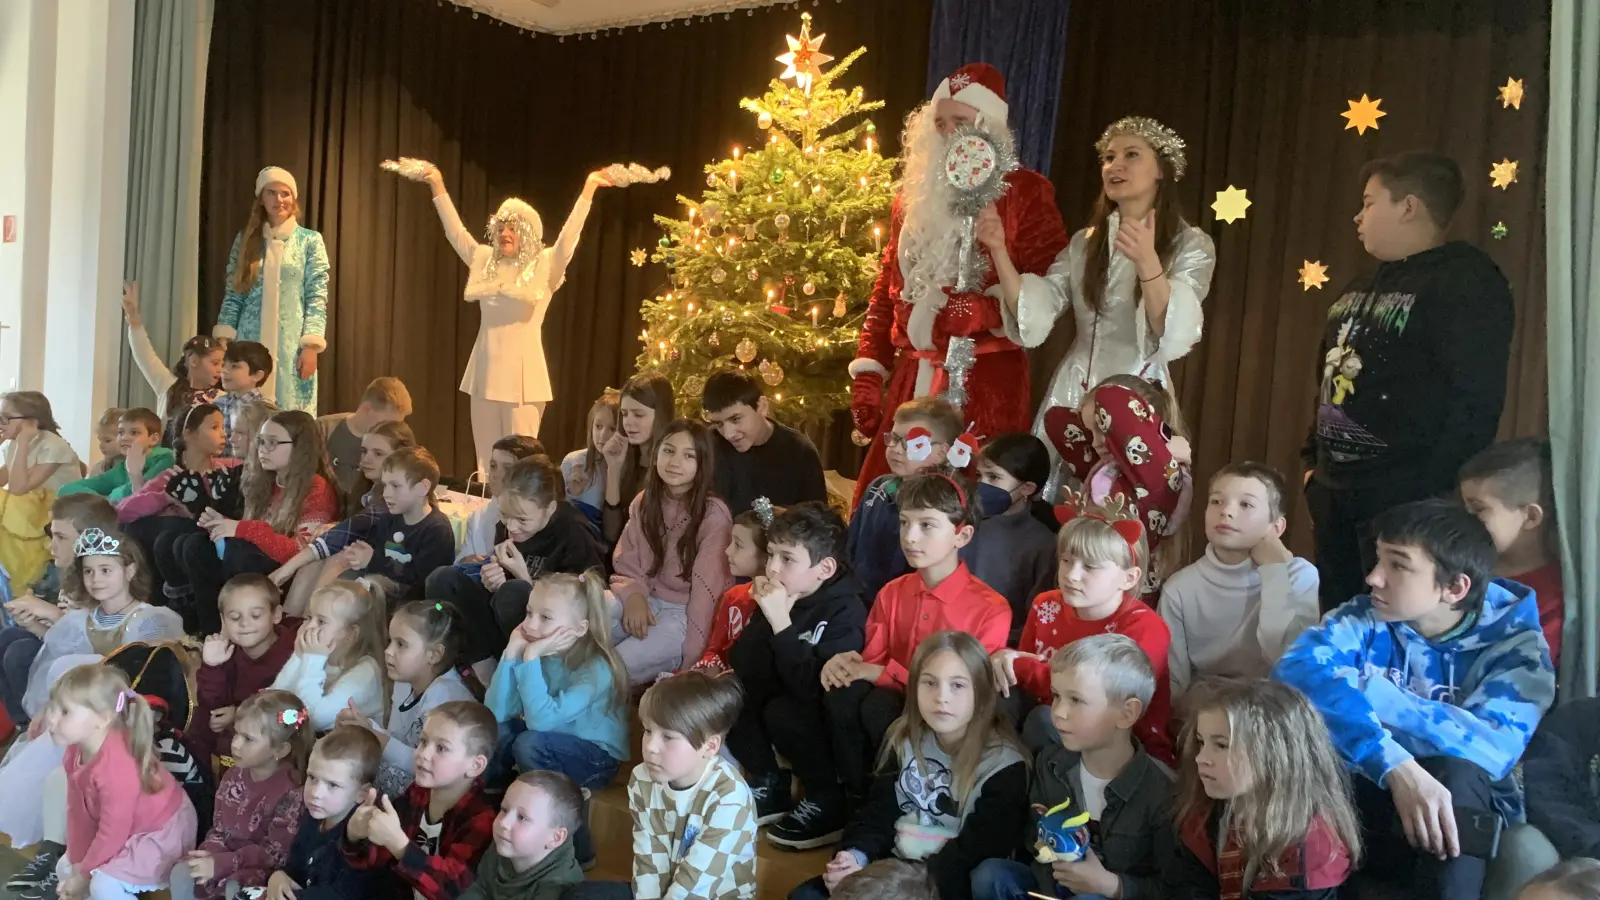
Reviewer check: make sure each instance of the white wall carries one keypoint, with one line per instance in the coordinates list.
(70, 65)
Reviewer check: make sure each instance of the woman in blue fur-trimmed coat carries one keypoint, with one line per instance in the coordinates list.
(277, 291)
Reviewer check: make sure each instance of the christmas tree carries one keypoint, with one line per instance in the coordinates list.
(772, 267)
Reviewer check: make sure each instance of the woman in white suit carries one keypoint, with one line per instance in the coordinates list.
(512, 279)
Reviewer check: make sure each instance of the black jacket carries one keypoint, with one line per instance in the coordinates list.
(1412, 370)
(565, 544)
(786, 470)
(317, 863)
(1135, 826)
(831, 621)
(1561, 778)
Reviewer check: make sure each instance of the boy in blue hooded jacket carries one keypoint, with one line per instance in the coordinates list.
(1431, 686)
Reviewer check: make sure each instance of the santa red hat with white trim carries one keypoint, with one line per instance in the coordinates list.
(980, 86)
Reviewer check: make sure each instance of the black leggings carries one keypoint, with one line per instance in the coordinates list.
(156, 535)
(206, 573)
(490, 616)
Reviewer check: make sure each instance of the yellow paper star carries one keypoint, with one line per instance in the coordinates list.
(638, 256)
(1313, 275)
(1363, 114)
(1230, 204)
(1511, 93)
(804, 60)
(1502, 174)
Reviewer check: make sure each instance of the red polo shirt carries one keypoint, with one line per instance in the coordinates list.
(1053, 624)
(907, 611)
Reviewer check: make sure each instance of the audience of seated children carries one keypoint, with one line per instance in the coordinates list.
(1558, 778)
(425, 639)
(1101, 560)
(338, 656)
(37, 462)
(952, 785)
(671, 561)
(887, 879)
(378, 443)
(193, 379)
(747, 558)
(246, 365)
(584, 470)
(255, 643)
(537, 534)
(143, 458)
(865, 691)
(560, 692)
(1432, 686)
(289, 497)
(918, 442)
(430, 838)
(105, 438)
(1236, 609)
(755, 456)
(1263, 805)
(530, 854)
(478, 543)
(1508, 487)
(644, 410)
(340, 772)
(1100, 687)
(1014, 551)
(258, 801)
(1128, 446)
(128, 822)
(1572, 879)
(397, 544)
(385, 400)
(808, 610)
(37, 610)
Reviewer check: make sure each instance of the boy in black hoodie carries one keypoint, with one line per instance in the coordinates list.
(808, 608)
(1412, 366)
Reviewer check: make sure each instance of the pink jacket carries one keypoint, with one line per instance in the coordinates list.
(107, 805)
(152, 500)
(697, 589)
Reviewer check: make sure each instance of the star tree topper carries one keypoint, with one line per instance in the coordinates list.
(804, 60)
(1363, 114)
(1313, 275)
(1502, 174)
(1230, 204)
(1511, 94)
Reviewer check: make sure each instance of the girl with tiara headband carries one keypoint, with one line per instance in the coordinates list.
(1133, 278)
(513, 277)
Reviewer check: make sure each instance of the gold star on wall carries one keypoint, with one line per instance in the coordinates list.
(1230, 204)
(804, 60)
(1502, 174)
(1363, 114)
(1511, 94)
(1313, 275)
(637, 256)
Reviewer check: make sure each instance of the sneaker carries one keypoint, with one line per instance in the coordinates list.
(583, 840)
(44, 890)
(35, 872)
(808, 826)
(773, 796)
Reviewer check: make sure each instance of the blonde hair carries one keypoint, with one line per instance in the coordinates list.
(416, 464)
(588, 591)
(1091, 539)
(352, 744)
(308, 458)
(100, 688)
(364, 608)
(475, 720)
(1122, 666)
(400, 436)
(989, 726)
(269, 710)
(33, 405)
(936, 414)
(1279, 746)
(389, 394)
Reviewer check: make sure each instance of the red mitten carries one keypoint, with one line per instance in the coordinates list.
(967, 313)
(866, 402)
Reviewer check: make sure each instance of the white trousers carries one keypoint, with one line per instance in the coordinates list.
(660, 650)
(493, 420)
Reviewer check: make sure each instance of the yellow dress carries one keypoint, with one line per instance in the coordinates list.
(24, 548)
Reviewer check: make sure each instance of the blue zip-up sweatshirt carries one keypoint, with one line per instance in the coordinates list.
(551, 697)
(1389, 695)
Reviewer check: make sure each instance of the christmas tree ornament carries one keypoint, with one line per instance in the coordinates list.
(745, 350)
(764, 367)
(781, 220)
(808, 289)
(859, 439)
(665, 241)
(673, 354)
(871, 128)
(764, 121)
(753, 275)
(776, 177)
(1503, 174)
(773, 375)
(750, 231)
(712, 212)
(975, 165)
(1230, 204)
(727, 317)
(1363, 114)
(1313, 275)
(638, 257)
(711, 180)
(715, 339)
(839, 307)
(958, 360)
(718, 276)
(788, 279)
(1511, 94)
(693, 386)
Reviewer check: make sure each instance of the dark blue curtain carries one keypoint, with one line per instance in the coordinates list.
(1027, 41)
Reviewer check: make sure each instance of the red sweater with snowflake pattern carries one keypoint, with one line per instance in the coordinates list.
(1053, 624)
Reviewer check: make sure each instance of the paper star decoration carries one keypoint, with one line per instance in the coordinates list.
(1313, 275)
(1363, 114)
(1499, 231)
(1511, 94)
(1502, 174)
(1230, 204)
(638, 257)
(804, 60)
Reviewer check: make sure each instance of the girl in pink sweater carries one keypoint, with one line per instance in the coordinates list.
(128, 821)
(671, 562)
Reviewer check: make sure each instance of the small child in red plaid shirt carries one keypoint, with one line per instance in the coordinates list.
(433, 835)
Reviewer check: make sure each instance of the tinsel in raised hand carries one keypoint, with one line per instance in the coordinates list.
(958, 359)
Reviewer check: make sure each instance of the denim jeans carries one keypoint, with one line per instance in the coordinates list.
(585, 762)
(18, 647)
(1004, 879)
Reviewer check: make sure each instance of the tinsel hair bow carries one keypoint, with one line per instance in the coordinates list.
(1115, 512)
(762, 507)
(1162, 139)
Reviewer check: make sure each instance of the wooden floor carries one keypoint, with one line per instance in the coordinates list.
(777, 870)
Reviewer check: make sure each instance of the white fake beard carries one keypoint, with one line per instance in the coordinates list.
(930, 236)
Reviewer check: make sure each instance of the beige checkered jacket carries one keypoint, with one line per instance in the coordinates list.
(707, 852)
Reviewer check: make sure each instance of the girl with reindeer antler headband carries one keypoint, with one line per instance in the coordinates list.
(1102, 554)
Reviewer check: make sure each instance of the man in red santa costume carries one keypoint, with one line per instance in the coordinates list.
(915, 310)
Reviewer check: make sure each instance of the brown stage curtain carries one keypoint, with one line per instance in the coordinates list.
(328, 89)
(1256, 89)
